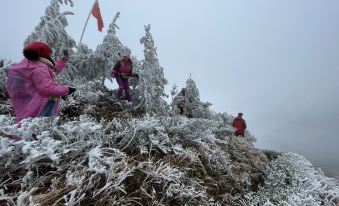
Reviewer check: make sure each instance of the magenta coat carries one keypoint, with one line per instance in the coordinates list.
(30, 84)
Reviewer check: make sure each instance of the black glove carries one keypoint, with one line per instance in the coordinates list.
(136, 75)
(71, 90)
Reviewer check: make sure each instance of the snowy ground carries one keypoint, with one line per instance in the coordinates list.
(114, 155)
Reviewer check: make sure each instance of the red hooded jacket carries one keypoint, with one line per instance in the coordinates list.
(240, 125)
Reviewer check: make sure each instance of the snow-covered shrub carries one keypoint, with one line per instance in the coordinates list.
(145, 134)
(147, 160)
(291, 180)
(44, 147)
(161, 172)
(169, 182)
(89, 92)
(29, 128)
(154, 160)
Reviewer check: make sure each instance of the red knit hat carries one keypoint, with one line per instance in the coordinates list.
(34, 50)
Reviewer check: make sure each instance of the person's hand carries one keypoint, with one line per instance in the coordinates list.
(71, 90)
(136, 75)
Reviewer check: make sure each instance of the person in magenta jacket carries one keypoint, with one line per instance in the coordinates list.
(121, 72)
(240, 125)
(32, 86)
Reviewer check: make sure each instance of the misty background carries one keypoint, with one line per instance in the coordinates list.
(275, 61)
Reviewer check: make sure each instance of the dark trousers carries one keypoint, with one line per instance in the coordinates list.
(48, 110)
(123, 85)
(181, 110)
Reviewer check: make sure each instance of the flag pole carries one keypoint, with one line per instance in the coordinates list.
(89, 15)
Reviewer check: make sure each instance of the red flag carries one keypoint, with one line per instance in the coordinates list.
(96, 13)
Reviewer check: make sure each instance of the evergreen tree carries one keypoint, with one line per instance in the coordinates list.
(195, 107)
(174, 91)
(66, 2)
(152, 81)
(107, 53)
(192, 91)
(4, 65)
(51, 29)
(78, 67)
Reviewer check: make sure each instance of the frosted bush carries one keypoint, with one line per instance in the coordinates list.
(145, 133)
(291, 180)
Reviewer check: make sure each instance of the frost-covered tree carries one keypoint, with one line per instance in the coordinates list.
(174, 91)
(4, 65)
(152, 81)
(107, 53)
(192, 91)
(70, 2)
(193, 106)
(78, 67)
(51, 29)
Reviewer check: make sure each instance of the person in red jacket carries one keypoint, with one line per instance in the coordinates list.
(240, 125)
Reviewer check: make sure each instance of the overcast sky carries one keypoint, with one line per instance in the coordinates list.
(275, 61)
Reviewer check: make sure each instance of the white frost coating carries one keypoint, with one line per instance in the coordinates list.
(293, 180)
(21, 199)
(94, 158)
(43, 148)
(153, 159)
(5, 146)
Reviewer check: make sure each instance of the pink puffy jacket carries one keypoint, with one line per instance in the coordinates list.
(30, 84)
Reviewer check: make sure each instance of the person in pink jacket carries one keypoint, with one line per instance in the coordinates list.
(122, 70)
(32, 86)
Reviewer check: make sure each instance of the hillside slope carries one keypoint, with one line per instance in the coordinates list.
(101, 152)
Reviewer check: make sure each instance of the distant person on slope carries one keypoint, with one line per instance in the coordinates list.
(31, 83)
(122, 70)
(181, 98)
(240, 125)
(183, 103)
